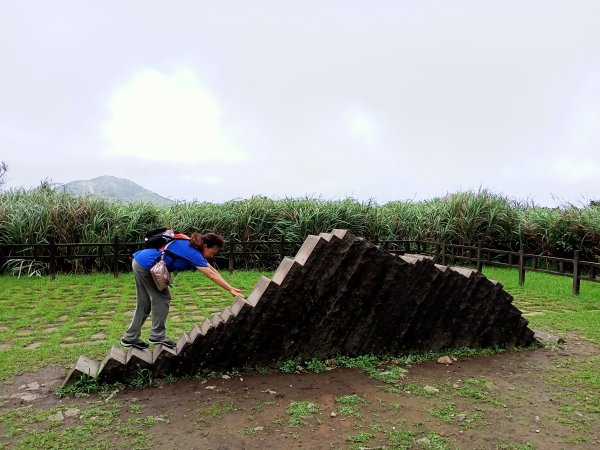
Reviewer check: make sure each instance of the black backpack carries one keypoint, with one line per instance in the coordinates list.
(162, 236)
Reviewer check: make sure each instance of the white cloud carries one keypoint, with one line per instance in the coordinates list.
(159, 116)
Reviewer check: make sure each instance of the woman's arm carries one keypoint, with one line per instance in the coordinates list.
(216, 278)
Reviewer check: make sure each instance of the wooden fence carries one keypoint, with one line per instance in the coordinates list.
(115, 257)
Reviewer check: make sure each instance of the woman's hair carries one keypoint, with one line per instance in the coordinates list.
(198, 240)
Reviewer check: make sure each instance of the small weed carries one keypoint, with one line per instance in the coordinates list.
(349, 410)
(278, 421)
(360, 438)
(301, 410)
(469, 420)
(205, 415)
(84, 385)
(262, 370)
(348, 405)
(433, 441)
(366, 362)
(252, 431)
(316, 365)
(376, 427)
(350, 399)
(418, 390)
(143, 377)
(445, 414)
(478, 390)
(515, 446)
(400, 438)
(289, 366)
(135, 409)
(390, 374)
(170, 379)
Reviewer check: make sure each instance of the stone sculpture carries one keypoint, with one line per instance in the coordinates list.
(342, 295)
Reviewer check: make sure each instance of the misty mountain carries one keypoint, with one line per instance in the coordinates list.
(113, 188)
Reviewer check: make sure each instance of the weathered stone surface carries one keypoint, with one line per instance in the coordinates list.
(547, 338)
(339, 295)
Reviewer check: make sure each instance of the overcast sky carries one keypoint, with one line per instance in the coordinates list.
(383, 100)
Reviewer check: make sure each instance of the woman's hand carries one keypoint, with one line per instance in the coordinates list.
(236, 292)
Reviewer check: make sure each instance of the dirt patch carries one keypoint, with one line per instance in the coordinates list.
(531, 399)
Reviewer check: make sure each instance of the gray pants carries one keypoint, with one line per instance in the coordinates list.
(148, 300)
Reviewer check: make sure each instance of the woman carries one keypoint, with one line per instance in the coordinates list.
(182, 254)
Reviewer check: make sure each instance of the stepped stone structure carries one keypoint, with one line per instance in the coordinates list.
(340, 294)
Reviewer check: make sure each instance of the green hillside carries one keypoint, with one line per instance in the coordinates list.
(113, 188)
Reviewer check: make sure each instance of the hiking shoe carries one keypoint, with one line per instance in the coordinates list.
(164, 341)
(138, 343)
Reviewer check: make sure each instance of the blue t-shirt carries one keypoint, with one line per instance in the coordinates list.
(187, 257)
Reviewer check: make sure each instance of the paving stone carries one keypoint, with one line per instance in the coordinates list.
(5, 346)
(26, 397)
(24, 332)
(71, 412)
(98, 336)
(58, 417)
(34, 346)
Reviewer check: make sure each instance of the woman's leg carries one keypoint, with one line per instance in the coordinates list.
(160, 300)
(142, 303)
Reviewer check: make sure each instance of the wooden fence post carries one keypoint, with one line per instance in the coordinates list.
(576, 280)
(52, 247)
(479, 261)
(444, 255)
(116, 257)
(282, 247)
(521, 266)
(231, 255)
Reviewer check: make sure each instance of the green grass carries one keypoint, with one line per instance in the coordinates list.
(551, 295)
(95, 423)
(300, 411)
(44, 321)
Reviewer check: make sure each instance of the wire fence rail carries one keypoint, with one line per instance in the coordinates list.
(52, 258)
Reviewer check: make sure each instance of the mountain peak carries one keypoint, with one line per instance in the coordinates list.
(114, 188)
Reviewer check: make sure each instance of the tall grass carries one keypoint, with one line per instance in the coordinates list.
(41, 214)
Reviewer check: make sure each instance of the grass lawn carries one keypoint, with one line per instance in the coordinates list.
(44, 321)
(549, 304)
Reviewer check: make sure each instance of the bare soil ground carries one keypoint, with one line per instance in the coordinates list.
(531, 399)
